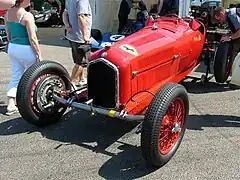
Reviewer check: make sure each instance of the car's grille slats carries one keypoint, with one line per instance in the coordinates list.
(103, 84)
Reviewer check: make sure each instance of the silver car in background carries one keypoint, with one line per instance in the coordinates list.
(3, 35)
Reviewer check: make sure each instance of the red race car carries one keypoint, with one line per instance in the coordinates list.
(3, 35)
(135, 79)
(2, 12)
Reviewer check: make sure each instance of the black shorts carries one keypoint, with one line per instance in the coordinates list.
(80, 53)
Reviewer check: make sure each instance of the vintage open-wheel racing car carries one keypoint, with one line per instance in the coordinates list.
(136, 79)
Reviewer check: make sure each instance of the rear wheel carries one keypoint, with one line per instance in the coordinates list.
(35, 93)
(223, 62)
(164, 124)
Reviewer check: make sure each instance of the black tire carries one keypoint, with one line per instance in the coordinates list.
(223, 62)
(31, 93)
(154, 120)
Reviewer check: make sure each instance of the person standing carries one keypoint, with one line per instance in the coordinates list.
(232, 18)
(124, 11)
(142, 15)
(23, 48)
(59, 6)
(77, 18)
(168, 7)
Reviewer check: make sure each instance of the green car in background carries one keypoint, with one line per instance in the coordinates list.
(37, 4)
(47, 13)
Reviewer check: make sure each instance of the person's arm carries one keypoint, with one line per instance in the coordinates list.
(82, 11)
(235, 35)
(160, 5)
(83, 27)
(29, 22)
(66, 21)
(5, 4)
(235, 19)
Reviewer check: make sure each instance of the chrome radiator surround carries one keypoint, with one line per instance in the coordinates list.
(116, 72)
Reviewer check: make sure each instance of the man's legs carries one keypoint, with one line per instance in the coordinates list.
(77, 69)
(80, 53)
(77, 74)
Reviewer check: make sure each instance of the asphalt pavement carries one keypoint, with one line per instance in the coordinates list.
(85, 147)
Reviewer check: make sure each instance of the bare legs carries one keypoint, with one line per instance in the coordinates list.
(77, 74)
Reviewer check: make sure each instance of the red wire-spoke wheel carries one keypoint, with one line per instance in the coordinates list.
(171, 126)
(164, 124)
(35, 93)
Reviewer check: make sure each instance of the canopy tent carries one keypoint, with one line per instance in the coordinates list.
(226, 3)
(105, 13)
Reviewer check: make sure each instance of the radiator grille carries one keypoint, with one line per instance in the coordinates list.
(103, 83)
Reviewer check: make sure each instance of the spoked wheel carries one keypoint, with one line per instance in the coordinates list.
(171, 126)
(35, 93)
(223, 62)
(164, 124)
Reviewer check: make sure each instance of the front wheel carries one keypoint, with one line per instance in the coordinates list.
(164, 124)
(35, 93)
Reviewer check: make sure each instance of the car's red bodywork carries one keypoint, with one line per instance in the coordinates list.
(134, 79)
(166, 50)
(2, 12)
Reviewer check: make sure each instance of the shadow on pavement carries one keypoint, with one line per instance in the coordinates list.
(80, 129)
(62, 43)
(75, 128)
(3, 108)
(208, 87)
(198, 122)
(127, 164)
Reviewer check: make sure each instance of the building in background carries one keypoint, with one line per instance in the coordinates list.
(226, 3)
(105, 12)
